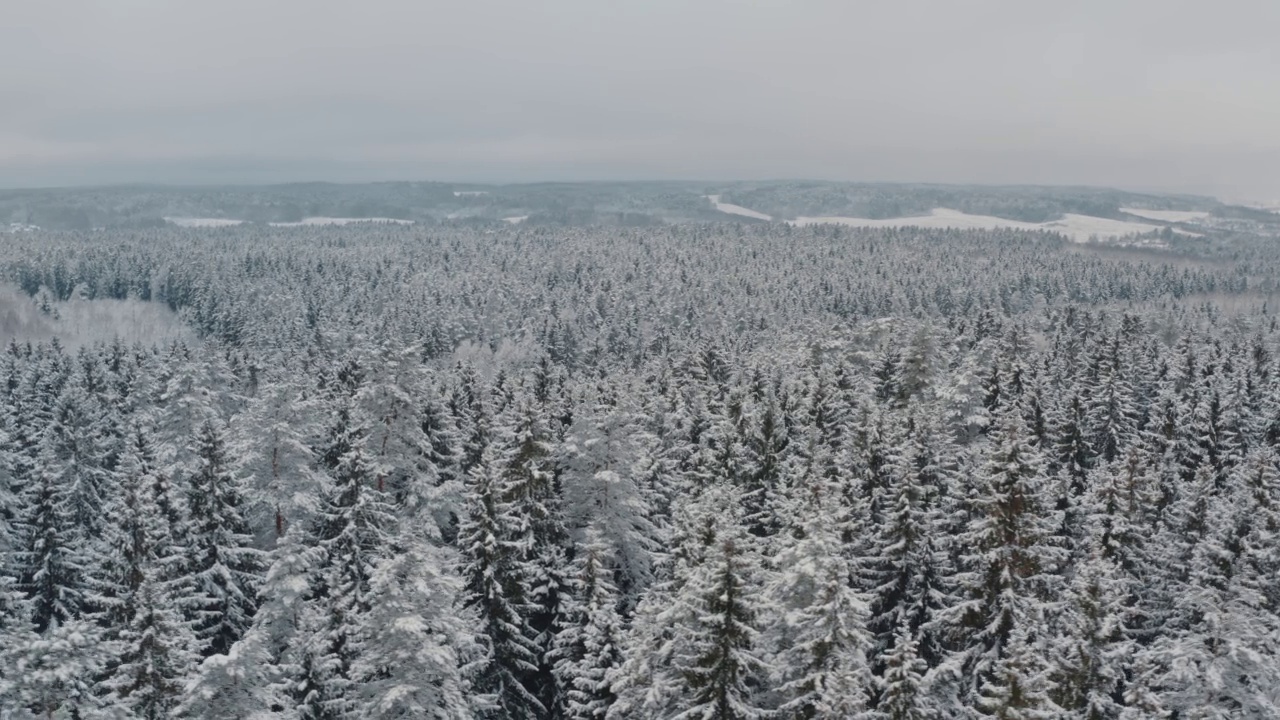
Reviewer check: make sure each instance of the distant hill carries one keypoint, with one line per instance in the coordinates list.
(598, 203)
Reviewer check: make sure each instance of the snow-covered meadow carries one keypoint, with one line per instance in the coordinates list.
(305, 222)
(1079, 228)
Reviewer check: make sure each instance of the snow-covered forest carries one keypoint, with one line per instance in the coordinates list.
(696, 471)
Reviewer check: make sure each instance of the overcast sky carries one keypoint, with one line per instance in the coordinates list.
(1180, 95)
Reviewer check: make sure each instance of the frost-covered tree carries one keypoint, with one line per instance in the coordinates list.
(819, 663)
(157, 651)
(1011, 562)
(902, 695)
(414, 642)
(223, 565)
(722, 668)
(355, 529)
(589, 645)
(495, 591)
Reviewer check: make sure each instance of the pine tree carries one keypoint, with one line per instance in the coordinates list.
(821, 641)
(902, 696)
(588, 648)
(723, 669)
(1073, 458)
(224, 567)
(356, 524)
(1093, 644)
(264, 669)
(598, 463)
(1009, 573)
(1219, 647)
(271, 448)
(1120, 517)
(766, 454)
(51, 559)
(523, 452)
(50, 674)
(1255, 485)
(472, 415)
(907, 570)
(1018, 686)
(157, 651)
(137, 539)
(495, 591)
(1112, 416)
(440, 470)
(414, 643)
(646, 683)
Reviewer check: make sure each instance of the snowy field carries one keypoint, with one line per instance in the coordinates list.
(341, 221)
(469, 193)
(736, 209)
(1080, 228)
(516, 219)
(1167, 215)
(203, 222)
(77, 323)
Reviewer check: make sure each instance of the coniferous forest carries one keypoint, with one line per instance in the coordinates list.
(704, 471)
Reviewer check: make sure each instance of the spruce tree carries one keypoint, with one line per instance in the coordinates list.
(589, 646)
(414, 644)
(157, 651)
(1093, 648)
(224, 567)
(722, 670)
(356, 525)
(1010, 569)
(902, 695)
(1017, 688)
(907, 570)
(819, 664)
(496, 592)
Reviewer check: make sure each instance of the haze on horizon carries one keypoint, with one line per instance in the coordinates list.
(1167, 95)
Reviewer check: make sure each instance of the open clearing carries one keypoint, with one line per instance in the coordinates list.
(1079, 228)
(1167, 215)
(203, 222)
(736, 209)
(341, 221)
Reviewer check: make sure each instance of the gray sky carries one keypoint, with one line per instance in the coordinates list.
(1179, 95)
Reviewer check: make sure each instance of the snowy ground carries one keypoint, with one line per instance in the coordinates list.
(202, 222)
(1079, 228)
(736, 209)
(1167, 215)
(20, 227)
(84, 322)
(516, 219)
(469, 193)
(341, 221)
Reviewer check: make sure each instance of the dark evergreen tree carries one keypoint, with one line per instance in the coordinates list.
(223, 565)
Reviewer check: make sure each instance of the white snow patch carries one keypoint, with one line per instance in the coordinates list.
(190, 222)
(21, 227)
(516, 219)
(938, 218)
(341, 221)
(469, 193)
(79, 322)
(736, 209)
(1167, 215)
(1079, 228)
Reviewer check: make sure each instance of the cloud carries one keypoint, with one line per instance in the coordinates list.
(1142, 93)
